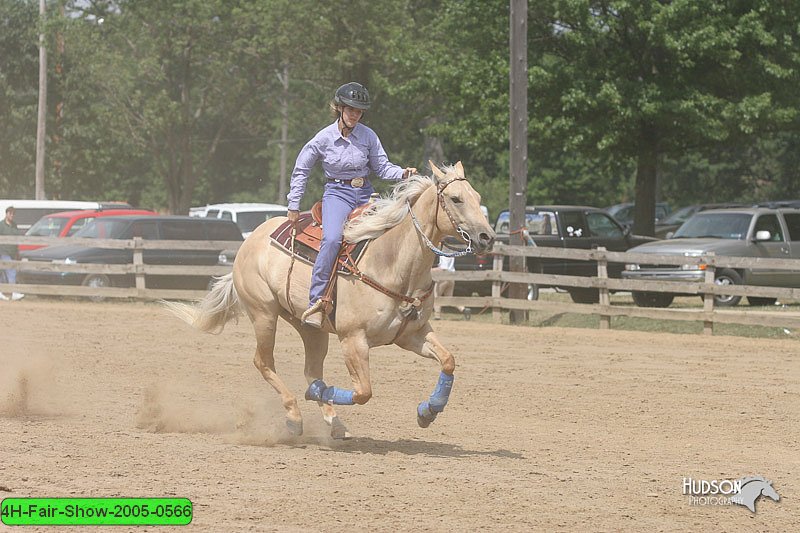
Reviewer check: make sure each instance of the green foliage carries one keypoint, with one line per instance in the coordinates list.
(168, 105)
(19, 60)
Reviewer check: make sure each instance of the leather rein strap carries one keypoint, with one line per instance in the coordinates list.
(414, 302)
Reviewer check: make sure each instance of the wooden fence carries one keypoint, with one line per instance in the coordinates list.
(708, 314)
(138, 268)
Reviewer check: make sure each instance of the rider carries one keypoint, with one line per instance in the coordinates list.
(348, 150)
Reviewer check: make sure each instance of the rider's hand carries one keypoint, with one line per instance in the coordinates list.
(293, 215)
(408, 171)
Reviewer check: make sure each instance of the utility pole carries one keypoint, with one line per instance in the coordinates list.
(42, 117)
(518, 141)
(283, 179)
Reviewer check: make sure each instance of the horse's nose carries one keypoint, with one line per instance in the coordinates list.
(485, 241)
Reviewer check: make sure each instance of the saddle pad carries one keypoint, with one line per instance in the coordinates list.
(307, 241)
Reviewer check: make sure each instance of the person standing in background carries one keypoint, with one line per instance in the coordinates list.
(10, 252)
(446, 288)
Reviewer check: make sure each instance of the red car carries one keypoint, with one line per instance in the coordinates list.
(68, 222)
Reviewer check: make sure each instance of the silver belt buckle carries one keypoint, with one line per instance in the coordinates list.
(357, 182)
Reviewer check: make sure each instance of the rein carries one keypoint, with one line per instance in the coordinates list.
(461, 233)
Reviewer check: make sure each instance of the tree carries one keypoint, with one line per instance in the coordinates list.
(18, 83)
(644, 80)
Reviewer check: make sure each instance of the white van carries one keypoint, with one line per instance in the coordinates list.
(27, 212)
(248, 216)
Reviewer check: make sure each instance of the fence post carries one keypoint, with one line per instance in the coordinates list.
(708, 297)
(138, 262)
(497, 266)
(605, 299)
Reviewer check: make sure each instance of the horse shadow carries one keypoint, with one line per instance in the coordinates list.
(410, 447)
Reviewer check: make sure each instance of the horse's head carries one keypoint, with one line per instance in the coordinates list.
(459, 211)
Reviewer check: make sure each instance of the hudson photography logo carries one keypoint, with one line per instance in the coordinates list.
(744, 491)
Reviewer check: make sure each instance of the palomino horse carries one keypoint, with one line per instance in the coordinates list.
(385, 303)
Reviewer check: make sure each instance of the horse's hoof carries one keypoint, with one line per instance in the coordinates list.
(295, 428)
(424, 422)
(338, 430)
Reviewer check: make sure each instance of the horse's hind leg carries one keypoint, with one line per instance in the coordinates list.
(316, 347)
(425, 343)
(265, 327)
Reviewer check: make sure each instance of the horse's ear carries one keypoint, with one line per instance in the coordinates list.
(460, 170)
(436, 171)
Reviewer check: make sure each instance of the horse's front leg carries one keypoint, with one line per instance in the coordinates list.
(425, 343)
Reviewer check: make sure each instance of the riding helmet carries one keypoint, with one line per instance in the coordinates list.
(352, 94)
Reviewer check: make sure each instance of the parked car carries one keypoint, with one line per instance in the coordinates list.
(248, 216)
(674, 220)
(29, 211)
(739, 232)
(775, 204)
(623, 213)
(68, 223)
(562, 226)
(127, 227)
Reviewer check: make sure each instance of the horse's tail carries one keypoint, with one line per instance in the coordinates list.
(220, 306)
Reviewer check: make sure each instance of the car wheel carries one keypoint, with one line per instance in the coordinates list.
(97, 281)
(727, 277)
(757, 301)
(581, 295)
(652, 299)
(533, 292)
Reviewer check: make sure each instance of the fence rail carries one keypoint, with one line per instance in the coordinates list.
(138, 268)
(708, 314)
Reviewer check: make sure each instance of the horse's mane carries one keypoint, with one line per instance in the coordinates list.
(388, 212)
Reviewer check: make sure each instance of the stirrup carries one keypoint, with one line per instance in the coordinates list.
(314, 315)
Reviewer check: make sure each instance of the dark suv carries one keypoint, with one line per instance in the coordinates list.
(127, 227)
(562, 226)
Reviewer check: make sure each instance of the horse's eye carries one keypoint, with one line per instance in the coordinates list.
(455, 199)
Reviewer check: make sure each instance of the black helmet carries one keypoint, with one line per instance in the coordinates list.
(352, 94)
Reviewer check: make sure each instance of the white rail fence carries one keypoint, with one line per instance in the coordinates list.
(708, 314)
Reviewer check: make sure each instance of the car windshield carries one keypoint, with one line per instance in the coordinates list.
(250, 220)
(716, 225)
(541, 223)
(47, 227)
(679, 216)
(104, 228)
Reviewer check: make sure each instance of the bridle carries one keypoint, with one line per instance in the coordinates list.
(441, 203)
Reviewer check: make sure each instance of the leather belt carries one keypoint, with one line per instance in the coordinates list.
(356, 183)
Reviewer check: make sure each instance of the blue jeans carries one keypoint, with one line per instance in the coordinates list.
(11, 274)
(338, 201)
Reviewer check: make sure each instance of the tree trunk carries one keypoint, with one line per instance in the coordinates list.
(432, 149)
(646, 175)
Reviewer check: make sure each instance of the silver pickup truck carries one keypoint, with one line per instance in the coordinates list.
(739, 232)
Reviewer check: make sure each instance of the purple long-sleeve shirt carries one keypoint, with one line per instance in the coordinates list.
(344, 158)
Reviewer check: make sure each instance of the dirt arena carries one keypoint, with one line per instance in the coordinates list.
(547, 428)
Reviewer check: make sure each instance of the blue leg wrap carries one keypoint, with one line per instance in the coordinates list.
(319, 392)
(336, 396)
(441, 393)
(428, 409)
(315, 390)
